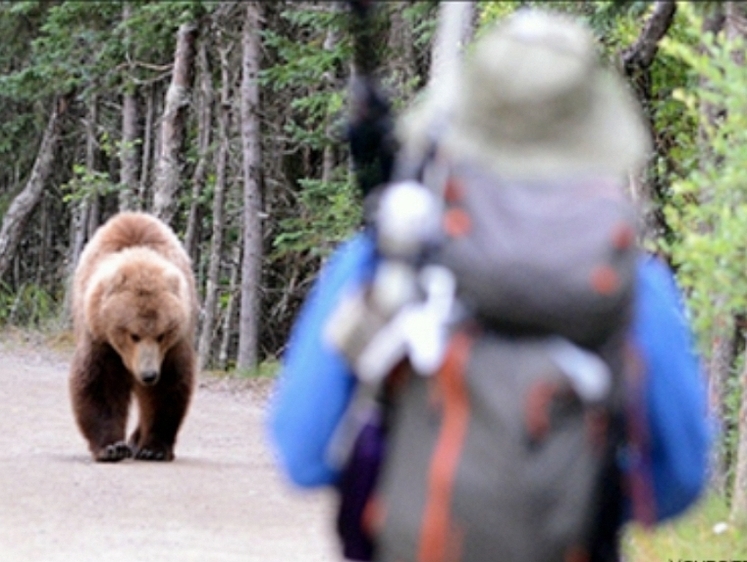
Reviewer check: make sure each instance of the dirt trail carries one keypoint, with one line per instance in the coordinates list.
(220, 500)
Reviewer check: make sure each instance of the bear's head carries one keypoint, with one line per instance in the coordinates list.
(139, 303)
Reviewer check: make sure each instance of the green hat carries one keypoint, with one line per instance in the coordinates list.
(532, 101)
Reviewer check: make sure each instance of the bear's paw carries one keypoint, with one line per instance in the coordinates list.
(154, 453)
(114, 452)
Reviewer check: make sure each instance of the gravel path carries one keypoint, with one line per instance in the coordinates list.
(220, 500)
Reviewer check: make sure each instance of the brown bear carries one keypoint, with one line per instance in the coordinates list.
(134, 307)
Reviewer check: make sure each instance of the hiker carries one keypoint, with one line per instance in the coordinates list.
(530, 110)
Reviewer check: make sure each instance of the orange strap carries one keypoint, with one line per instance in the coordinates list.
(439, 540)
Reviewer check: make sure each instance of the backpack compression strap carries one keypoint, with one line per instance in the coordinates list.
(439, 539)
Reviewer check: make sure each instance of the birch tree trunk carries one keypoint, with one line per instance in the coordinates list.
(127, 150)
(92, 210)
(230, 308)
(23, 204)
(204, 127)
(173, 124)
(147, 148)
(328, 156)
(81, 209)
(252, 225)
(216, 241)
(128, 153)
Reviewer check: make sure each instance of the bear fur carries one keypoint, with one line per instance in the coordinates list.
(134, 308)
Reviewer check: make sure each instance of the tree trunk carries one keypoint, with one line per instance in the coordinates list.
(173, 125)
(128, 153)
(735, 24)
(91, 210)
(127, 149)
(81, 209)
(204, 125)
(230, 308)
(252, 225)
(328, 156)
(735, 28)
(739, 496)
(44, 262)
(23, 204)
(719, 366)
(216, 242)
(636, 61)
(147, 148)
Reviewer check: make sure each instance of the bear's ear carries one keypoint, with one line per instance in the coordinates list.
(174, 282)
(116, 282)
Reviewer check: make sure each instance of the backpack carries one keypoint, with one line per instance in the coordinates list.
(508, 449)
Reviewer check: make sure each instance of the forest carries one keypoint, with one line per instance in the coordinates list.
(227, 119)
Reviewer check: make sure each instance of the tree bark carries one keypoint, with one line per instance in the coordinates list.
(718, 371)
(216, 242)
(735, 24)
(128, 153)
(636, 61)
(724, 334)
(252, 222)
(81, 210)
(91, 208)
(640, 55)
(147, 147)
(328, 156)
(127, 149)
(173, 125)
(735, 27)
(204, 126)
(23, 204)
(739, 496)
(228, 317)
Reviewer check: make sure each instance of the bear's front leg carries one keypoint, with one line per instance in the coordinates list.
(100, 389)
(163, 407)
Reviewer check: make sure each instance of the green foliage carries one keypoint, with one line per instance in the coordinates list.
(421, 16)
(328, 214)
(306, 73)
(708, 209)
(83, 46)
(71, 51)
(491, 12)
(305, 70)
(87, 183)
(30, 306)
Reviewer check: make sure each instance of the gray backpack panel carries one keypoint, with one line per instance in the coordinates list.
(551, 257)
(463, 445)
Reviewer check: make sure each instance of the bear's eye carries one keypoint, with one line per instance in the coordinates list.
(160, 338)
(135, 338)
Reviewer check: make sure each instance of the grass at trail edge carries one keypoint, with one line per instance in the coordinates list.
(704, 533)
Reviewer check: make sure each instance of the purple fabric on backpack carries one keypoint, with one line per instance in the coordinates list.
(356, 485)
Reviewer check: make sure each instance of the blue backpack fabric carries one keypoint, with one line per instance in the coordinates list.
(676, 406)
(316, 384)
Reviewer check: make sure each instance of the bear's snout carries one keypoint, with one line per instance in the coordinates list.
(149, 377)
(147, 366)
